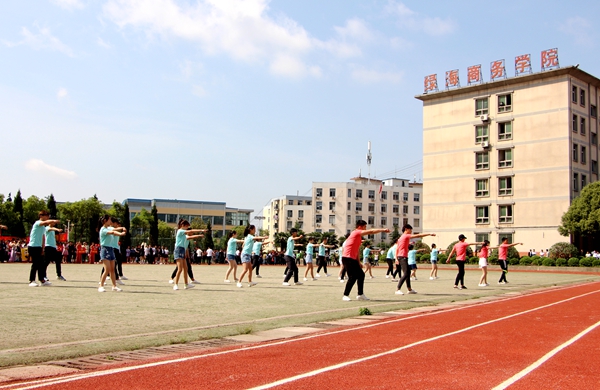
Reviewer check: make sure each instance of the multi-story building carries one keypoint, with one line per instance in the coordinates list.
(507, 157)
(381, 203)
(221, 217)
(283, 213)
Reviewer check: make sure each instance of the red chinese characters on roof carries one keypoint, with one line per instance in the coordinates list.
(550, 59)
(452, 79)
(431, 83)
(522, 64)
(497, 70)
(474, 74)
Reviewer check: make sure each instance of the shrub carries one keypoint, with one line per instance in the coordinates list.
(422, 245)
(425, 258)
(562, 262)
(563, 250)
(586, 262)
(493, 260)
(513, 261)
(536, 260)
(596, 262)
(525, 260)
(548, 262)
(442, 257)
(474, 260)
(573, 262)
(364, 311)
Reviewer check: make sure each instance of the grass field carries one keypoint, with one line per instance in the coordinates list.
(71, 319)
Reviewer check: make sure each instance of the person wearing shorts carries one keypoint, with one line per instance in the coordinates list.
(433, 258)
(231, 257)
(249, 240)
(309, 259)
(502, 258)
(412, 261)
(107, 254)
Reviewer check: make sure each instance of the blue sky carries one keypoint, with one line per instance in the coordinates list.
(242, 101)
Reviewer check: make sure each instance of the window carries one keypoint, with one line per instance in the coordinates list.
(583, 154)
(574, 94)
(508, 236)
(593, 111)
(289, 225)
(505, 214)
(575, 152)
(384, 208)
(595, 166)
(404, 221)
(332, 206)
(319, 192)
(576, 182)
(594, 138)
(383, 221)
(416, 223)
(505, 103)
(349, 206)
(481, 106)
(290, 202)
(416, 209)
(371, 207)
(359, 193)
(482, 134)
(300, 224)
(405, 197)
(583, 181)
(332, 192)
(395, 209)
(416, 197)
(482, 214)
(300, 213)
(332, 219)
(319, 206)
(299, 203)
(504, 131)
(396, 196)
(290, 213)
(505, 186)
(383, 195)
(357, 218)
(371, 194)
(318, 218)
(482, 187)
(349, 219)
(405, 209)
(395, 221)
(481, 237)
(358, 206)
(383, 236)
(482, 160)
(309, 202)
(370, 220)
(582, 97)
(582, 126)
(505, 158)
(574, 123)
(349, 192)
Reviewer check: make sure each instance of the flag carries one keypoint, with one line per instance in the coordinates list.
(380, 188)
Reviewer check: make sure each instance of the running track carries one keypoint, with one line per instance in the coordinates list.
(548, 339)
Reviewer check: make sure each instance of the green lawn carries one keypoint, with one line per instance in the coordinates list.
(72, 318)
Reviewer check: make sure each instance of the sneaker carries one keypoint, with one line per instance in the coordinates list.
(252, 284)
(116, 289)
(399, 292)
(431, 278)
(482, 284)
(171, 281)
(239, 285)
(455, 286)
(101, 289)
(362, 297)
(285, 284)
(298, 284)
(387, 276)
(33, 284)
(61, 278)
(394, 280)
(315, 279)
(189, 285)
(372, 277)
(342, 280)
(227, 281)
(317, 276)
(175, 287)
(258, 276)
(328, 275)
(462, 288)
(501, 282)
(305, 279)
(195, 282)
(415, 278)
(346, 298)
(120, 282)
(46, 279)
(411, 292)
(46, 283)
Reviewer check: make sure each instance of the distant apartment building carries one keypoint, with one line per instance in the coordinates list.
(283, 213)
(221, 217)
(505, 158)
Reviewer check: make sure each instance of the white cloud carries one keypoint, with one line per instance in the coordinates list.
(369, 76)
(580, 29)
(62, 93)
(101, 42)
(69, 4)
(198, 91)
(412, 20)
(43, 39)
(355, 29)
(40, 166)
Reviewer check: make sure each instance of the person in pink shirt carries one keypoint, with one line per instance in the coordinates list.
(484, 252)
(460, 248)
(502, 258)
(402, 257)
(350, 261)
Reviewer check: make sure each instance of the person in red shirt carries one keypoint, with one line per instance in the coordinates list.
(502, 254)
(350, 261)
(402, 257)
(460, 248)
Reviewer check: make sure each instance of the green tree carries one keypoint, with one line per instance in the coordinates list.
(154, 226)
(394, 236)
(19, 228)
(83, 218)
(51, 206)
(208, 239)
(583, 216)
(31, 208)
(8, 216)
(126, 239)
(140, 224)
(563, 250)
(280, 240)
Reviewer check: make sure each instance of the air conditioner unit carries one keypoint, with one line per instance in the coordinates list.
(333, 224)
(484, 118)
(318, 225)
(333, 197)
(485, 144)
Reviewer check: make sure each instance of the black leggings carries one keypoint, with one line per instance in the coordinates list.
(37, 263)
(292, 269)
(322, 264)
(460, 276)
(404, 275)
(256, 260)
(504, 266)
(355, 275)
(390, 271)
(189, 266)
(51, 254)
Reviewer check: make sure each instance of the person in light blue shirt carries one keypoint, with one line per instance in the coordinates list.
(412, 260)
(231, 249)
(34, 249)
(309, 259)
(107, 254)
(389, 259)
(292, 268)
(433, 257)
(50, 252)
(367, 261)
(116, 226)
(321, 261)
(256, 257)
(183, 235)
(249, 240)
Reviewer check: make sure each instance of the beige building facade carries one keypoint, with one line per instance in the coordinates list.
(283, 213)
(507, 157)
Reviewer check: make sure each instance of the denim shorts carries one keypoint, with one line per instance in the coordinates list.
(309, 259)
(107, 253)
(433, 261)
(246, 258)
(412, 266)
(179, 252)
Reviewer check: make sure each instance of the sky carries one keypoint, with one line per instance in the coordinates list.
(241, 101)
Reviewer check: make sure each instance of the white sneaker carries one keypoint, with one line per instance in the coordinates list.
(175, 287)
(46, 283)
(258, 276)
(483, 285)
(252, 284)
(285, 284)
(317, 276)
(298, 284)
(387, 276)
(239, 285)
(195, 282)
(328, 275)
(101, 289)
(116, 289)
(412, 292)
(394, 280)
(189, 285)
(431, 278)
(171, 281)
(227, 281)
(305, 279)
(346, 298)
(315, 279)
(415, 278)
(399, 292)
(342, 280)
(124, 277)
(362, 297)
(120, 282)
(372, 277)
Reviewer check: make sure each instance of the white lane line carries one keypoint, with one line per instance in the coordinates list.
(46, 382)
(544, 359)
(392, 351)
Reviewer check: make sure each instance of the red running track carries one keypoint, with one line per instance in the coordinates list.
(548, 339)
